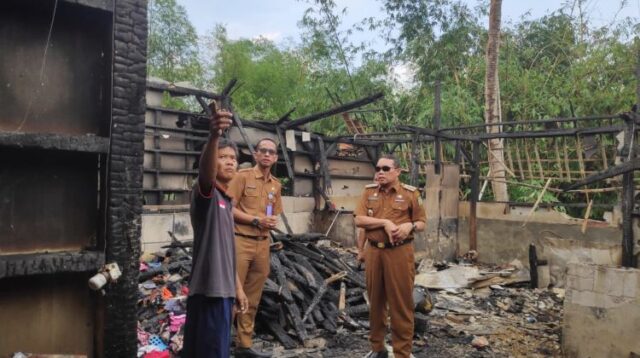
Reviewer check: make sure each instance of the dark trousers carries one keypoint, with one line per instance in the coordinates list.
(207, 330)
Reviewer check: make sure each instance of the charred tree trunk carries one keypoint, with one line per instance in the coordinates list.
(492, 112)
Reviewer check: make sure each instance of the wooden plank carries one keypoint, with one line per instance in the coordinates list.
(50, 263)
(63, 142)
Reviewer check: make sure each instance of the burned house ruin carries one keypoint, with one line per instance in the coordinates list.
(97, 170)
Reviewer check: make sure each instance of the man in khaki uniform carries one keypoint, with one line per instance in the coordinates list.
(257, 202)
(390, 213)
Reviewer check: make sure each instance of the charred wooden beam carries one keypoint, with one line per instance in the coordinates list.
(276, 266)
(321, 292)
(226, 91)
(282, 336)
(300, 238)
(530, 122)
(626, 167)
(179, 91)
(336, 110)
(70, 143)
(436, 133)
(285, 153)
(50, 263)
(570, 132)
(286, 116)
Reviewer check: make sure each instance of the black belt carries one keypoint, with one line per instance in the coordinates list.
(257, 238)
(388, 245)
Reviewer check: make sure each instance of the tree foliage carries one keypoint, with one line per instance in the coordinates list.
(556, 65)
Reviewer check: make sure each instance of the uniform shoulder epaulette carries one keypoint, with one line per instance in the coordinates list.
(409, 187)
(369, 186)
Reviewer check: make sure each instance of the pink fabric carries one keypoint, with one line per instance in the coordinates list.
(176, 321)
(143, 266)
(143, 337)
(156, 354)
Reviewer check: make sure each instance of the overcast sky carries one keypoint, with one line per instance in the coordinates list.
(277, 19)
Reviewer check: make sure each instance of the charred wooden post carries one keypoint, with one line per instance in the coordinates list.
(533, 266)
(436, 124)
(475, 188)
(628, 191)
(125, 179)
(285, 153)
(415, 161)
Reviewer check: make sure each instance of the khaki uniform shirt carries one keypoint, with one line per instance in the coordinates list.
(251, 193)
(399, 204)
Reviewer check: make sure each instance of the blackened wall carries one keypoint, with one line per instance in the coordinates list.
(125, 180)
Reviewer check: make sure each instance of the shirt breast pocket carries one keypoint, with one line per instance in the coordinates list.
(373, 207)
(250, 197)
(400, 206)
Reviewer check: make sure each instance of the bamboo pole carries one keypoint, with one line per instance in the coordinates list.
(537, 154)
(509, 157)
(579, 153)
(528, 157)
(566, 158)
(519, 160)
(558, 160)
(603, 152)
(553, 190)
(585, 222)
(535, 205)
(500, 161)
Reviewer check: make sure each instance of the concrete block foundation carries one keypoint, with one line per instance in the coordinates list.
(601, 311)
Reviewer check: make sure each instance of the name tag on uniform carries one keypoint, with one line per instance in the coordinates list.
(251, 186)
(222, 204)
(399, 200)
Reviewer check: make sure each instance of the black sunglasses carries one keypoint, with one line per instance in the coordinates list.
(267, 150)
(385, 168)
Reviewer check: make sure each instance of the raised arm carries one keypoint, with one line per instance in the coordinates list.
(220, 121)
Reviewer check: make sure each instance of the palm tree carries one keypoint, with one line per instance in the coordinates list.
(492, 113)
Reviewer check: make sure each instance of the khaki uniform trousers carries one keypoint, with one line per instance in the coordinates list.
(252, 264)
(390, 275)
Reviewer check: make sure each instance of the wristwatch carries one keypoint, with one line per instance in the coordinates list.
(255, 222)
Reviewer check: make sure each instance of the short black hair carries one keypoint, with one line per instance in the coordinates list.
(225, 143)
(396, 162)
(222, 143)
(267, 139)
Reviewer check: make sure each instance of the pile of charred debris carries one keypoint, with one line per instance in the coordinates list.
(315, 305)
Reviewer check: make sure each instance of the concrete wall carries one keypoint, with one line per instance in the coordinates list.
(558, 238)
(601, 312)
(156, 224)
